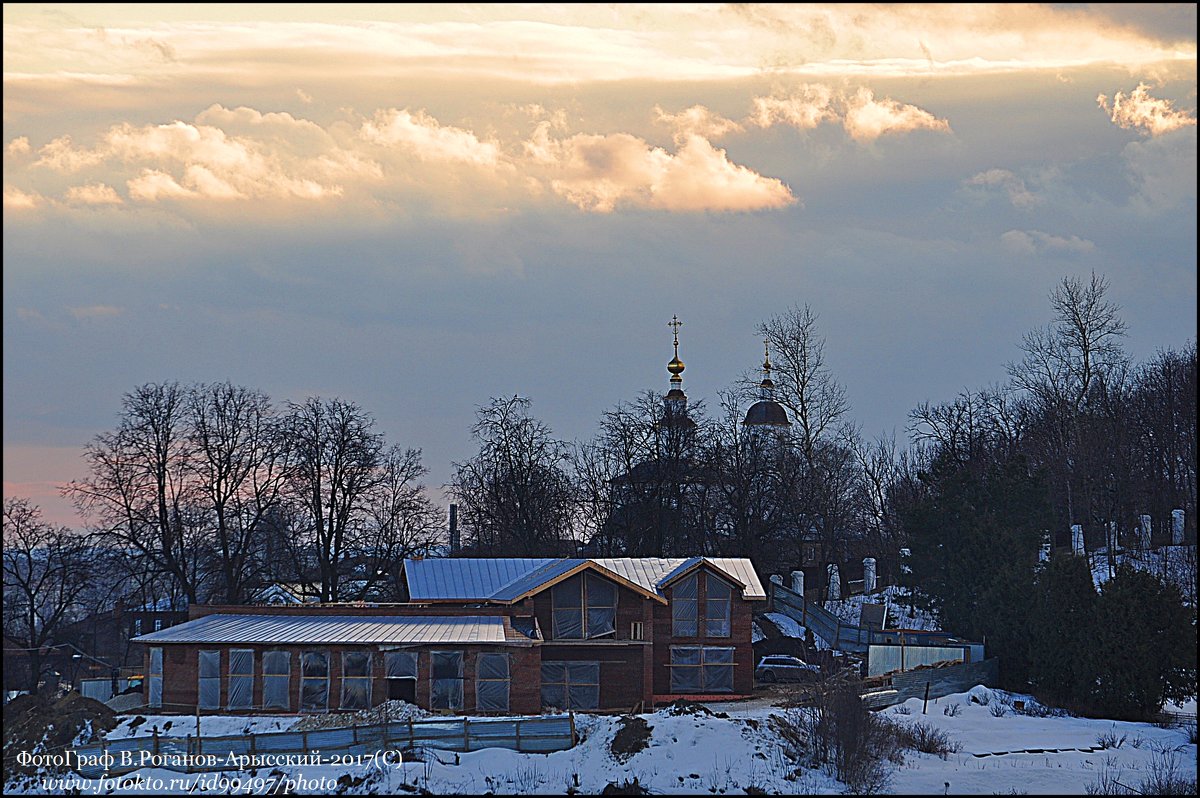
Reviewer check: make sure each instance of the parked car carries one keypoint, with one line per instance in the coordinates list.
(782, 668)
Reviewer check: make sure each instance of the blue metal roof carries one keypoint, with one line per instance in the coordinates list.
(332, 629)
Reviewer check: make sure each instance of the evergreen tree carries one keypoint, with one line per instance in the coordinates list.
(1146, 645)
(974, 541)
(1063, 625)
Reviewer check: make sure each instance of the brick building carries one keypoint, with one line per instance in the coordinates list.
(476, 635)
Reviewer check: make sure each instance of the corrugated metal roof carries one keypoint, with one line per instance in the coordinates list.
(332, 629)
(480, 579)
(463, 578)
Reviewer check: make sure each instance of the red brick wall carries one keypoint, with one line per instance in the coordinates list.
(621, 670)
(181, 672)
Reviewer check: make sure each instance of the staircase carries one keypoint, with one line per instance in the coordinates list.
(823, 623)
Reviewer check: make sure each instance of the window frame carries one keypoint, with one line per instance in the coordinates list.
(679, 603)
(242, 678)
(154, 678)
(202, 679)
(273, 678)
(461, 679)
(357, 681)
(323, 653)
(481, 679)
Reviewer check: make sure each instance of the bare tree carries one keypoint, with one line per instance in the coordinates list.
(138, 495)
(45, 570)
(515, 495)
(239, 462)
(337, 457)
(803, 382)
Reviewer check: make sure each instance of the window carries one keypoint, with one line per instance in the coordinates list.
(717, 598)
(636, 631)
(137, 626)
(701, 669)
(445, 680)
(683, 607)
(400, 668)
(210, 679)
(277, 671)
(154, 683)
(571, 685)
(356, 680)
(158, 624)
(492, 682)
(241, 678)
(584, 607)
(314, 681)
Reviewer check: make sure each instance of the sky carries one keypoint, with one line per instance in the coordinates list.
(417, 208)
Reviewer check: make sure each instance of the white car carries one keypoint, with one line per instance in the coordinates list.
(782, 668)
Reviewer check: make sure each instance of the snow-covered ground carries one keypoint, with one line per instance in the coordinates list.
(736, 748)
(900, 614)
(1174, 564)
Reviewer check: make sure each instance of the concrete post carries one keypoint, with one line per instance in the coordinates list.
(777, 579)
(1144, 532)
(835, 582)
(1077, 546)
(868, 575)
(798, 582)
(1177, 527)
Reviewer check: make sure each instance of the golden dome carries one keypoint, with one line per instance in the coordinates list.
(675, 366)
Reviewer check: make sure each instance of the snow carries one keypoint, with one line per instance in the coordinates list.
(733, 747)
(1175, 564)
(210, 725)
(756, 633)
(900, 615)
(787, 626)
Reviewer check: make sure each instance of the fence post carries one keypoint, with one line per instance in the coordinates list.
(466, 738)
(154, 732)
(518, 732)
(571, 715)
(412, 737)
(926, 702)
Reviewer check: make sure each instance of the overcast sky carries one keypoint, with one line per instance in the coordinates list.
(418, 208)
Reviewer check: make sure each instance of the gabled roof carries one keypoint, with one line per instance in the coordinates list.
(471, 579)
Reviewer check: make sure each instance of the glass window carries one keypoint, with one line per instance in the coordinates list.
(314, 681)
(154, 682)
(209, 668)
(584, 607)
(356, 680)
(277, 671)
(701, 669)
(718, 597)
(492, 683)
(571, 685)
(137, 626)
(446, 680)
(683, 607)
(241, 678)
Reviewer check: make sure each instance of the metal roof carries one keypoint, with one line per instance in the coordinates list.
(332, 629)
(479, 579)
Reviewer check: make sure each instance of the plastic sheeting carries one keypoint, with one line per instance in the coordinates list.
(492, 687)
(718, 596)
(356, 663)
(567, 600)
(155, 685)
(400, 664)
(314, 682)
(277, 668)
(356, 693)
(154, 682)
(571, 685)
(701, 669)
(601, 601)
(241, 678)
(277, 663)
(156, 661)
(683, 607)
(209, 669)
(446, 683)
(718, 669)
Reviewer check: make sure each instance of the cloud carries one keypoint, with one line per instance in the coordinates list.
(304, 96)
(17, 200)
(600, 173)
(1013, 186)
(864, 118)
(804, 109)
(1141, 111)
(18, 146)
(96, 312)
(1034, 242)
(427, 139)
(696, 121)
(867, 118)
(93, 194)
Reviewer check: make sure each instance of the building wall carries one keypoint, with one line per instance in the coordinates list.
(621, 670)
(181, 675)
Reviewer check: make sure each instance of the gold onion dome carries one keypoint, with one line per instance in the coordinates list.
(675, 366)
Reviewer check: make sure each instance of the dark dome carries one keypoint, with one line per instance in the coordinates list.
(767, 412)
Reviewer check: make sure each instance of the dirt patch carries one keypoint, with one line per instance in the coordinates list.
(35, 724)
(684, 707)
(631, 737)
(387, 712)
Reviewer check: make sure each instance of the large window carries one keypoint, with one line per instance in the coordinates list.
(584, 607)
(684, 607)
(701, 669)
(717, 599)
(492, 682)
(241, 678)
(277, 670)
(571, 685)
(154, 683)
(445, 680)
(400, 668)
(210, 679)
(314, 681)
(356, 680)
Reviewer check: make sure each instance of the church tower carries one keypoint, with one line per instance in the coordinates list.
(767, 414)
